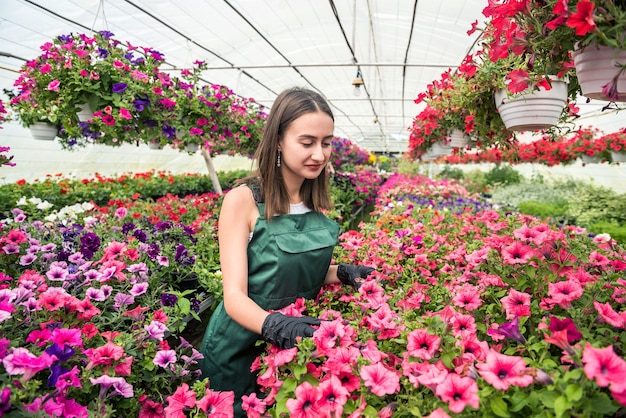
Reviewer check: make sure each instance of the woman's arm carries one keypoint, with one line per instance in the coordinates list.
(331, 275)
(237, 217)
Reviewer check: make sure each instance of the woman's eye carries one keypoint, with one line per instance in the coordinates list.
(327, 144)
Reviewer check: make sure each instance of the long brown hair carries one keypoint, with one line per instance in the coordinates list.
(288, 106)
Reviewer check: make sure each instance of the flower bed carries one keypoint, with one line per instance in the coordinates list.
(469, 313)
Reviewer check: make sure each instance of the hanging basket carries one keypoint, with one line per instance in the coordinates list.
(438, 149)
(85, 113)
(193, 147)
(618, 157)
(540, 109)
(458, 139)
(590, 159)
(155, 145)
(595, 67)
(43, 131)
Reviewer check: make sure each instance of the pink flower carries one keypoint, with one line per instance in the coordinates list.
(125, 114)
(421, 344)
(517, 253)
(605, 367)
(609, 315)
(333, 396)
(516, 304)
(305, 404)
(21, 361)
(151, 409)
(164, 358)
(459, 392)
(183, 397)
(379, 379)
(53, 85)
(502, 371)
(217, 404)
(564, 293)
(253, 406)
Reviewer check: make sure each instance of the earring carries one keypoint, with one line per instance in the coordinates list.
(278, 159)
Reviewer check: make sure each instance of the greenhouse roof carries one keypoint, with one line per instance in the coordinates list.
(258, 48)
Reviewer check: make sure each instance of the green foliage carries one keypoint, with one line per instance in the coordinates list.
(449, 172)
(408, 166)
(502, 175)
(60, 193)
(544, 210)
(593, 204)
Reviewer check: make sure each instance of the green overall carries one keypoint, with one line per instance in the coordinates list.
(288, 258)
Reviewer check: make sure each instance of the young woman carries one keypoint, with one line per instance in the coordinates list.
(275, 243)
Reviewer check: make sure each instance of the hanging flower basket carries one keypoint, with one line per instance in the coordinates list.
(458, 139)
(438, 149)
(618, 157)
(191, 147)
(85, 113)
(598, 65)
(43, 131)
(155, 145)
(590, 159)
(534, 111)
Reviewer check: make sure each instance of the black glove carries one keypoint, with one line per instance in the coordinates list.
(348, 274)
(283, 331)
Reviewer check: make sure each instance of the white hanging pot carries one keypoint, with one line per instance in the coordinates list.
(458, 139)
(43, 131)
(438, 149)
(532, 111)
(596, 65)
(154, 145)
(85, 113)
(618, 157)
(192, 147)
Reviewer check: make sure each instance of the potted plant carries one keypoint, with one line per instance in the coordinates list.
(116, 81)
(616, 144)
(564, 33)
(585, 144)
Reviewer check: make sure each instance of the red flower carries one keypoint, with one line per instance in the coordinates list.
(582, 21)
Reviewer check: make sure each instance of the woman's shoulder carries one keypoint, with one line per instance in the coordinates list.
(239, 197)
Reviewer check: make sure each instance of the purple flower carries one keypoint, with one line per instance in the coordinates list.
(164, 358)
(156, 330)
(106, 35)
(140, 103)
(56, 273)
(119, 88)
(122, 300)
(510, 330)
(5, 400)
(167, 299)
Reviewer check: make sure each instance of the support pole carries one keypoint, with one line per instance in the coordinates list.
(209, 165)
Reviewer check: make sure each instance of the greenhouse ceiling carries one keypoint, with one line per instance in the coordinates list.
(258, 48)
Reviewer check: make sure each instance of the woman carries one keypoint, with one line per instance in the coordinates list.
(275, 243)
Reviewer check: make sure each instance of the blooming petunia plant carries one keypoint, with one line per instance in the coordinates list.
(469, 313)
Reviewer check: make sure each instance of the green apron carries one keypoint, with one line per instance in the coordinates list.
(288, 258)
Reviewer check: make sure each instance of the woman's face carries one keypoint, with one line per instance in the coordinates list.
(306, 146)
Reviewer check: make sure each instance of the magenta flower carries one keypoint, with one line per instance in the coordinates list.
(422, 345)
(253, 406)
(120, 386)
(164, 358)
(502, 371)
(305, 405)
(217, 404)
(333, 397)
(459, 392)
(516, 304)
(605, 367)
(21, 361)
(379, 379)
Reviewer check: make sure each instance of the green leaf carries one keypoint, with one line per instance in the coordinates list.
(574, 392)
(499, 407)
(548, 398)
(299, 370)
(561, 405)
(184, 305)
(518, 401)
(602, 404)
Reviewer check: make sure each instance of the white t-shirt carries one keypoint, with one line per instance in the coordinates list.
(294, 209)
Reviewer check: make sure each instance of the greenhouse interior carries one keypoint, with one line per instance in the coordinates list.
(457, 247)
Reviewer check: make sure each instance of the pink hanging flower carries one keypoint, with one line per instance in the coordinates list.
(217, 404)
(182, 398)
(54, 85)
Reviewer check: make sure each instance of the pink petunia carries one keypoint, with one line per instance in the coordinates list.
(609, 315)
(502, 371)
(605, 367)
(516, 304)
(151, 409)
(53, 85)
(164, 358)
(305, 403)
(333, 396)
(217, 404)
(183, 397)
(379, 379)
(517, 253)
(21, 361)
(253, 406)
(459, 392)
(422, 345)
